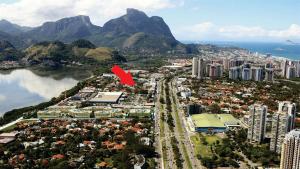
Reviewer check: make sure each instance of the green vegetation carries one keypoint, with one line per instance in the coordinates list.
(151, 63)
(215, 108)
(9, 128)
(202, 144)
(180, 130)
(170, 122)
(8, 52)
(256, 153)
(162, 127)
(296, 79)
(70, 150)
(100, 54)
(214, 151)
(55, 54)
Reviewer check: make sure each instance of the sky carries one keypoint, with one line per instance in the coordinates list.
(195, 20)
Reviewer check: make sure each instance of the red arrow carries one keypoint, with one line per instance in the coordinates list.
(125, 78)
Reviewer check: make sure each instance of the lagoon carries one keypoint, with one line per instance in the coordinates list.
(23, 87)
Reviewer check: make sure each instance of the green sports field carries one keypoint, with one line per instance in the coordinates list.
(212, 120)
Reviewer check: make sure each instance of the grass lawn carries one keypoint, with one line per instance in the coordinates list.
(9, 128)
(12, 127)
(200, 148)
(212, 139)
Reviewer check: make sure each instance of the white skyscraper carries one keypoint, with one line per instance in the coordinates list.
(234, 73)
(256, 73)
(226, 64)
(290, 154)
(201, 68)
(246, 74)
(283, 67)
(283, 121)
(257, 122)
(291, 72)
(298, 69)
(269, 76)
(195, 67)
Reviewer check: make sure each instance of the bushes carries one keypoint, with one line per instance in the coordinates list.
(259, 153)
(177, 155)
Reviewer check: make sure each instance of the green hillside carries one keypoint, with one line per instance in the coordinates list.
(56, 53)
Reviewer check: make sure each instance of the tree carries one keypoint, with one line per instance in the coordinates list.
(214, 108)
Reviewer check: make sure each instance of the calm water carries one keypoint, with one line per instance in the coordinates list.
(287, 50)
(22, 87)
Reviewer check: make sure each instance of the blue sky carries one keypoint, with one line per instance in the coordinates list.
(221, 20)
(270, 14)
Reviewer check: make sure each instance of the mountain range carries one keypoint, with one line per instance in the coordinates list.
(132, 31)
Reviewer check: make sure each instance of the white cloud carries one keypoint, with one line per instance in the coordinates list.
(211, 31)
(241, 31)
(292, 31)
(200, 28)
(194, 32)
(43, 86)
(2, 98)
(35, 12)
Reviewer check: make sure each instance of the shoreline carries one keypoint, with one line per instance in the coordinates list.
(35, 103)
(15, 114)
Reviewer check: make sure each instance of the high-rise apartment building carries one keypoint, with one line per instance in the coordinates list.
(283, 67)
(297, 65)
(291, 72)
(290, 153)
(256, 73)
(257, 123)
(201, 68)
(283, 121)
(269, 74)
(236, 62)
(195, 67)
(246, 74)
(234, 73)
(226, 64)
(198, 68)
(214, 70)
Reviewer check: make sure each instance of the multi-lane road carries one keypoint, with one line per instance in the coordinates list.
(181, 132)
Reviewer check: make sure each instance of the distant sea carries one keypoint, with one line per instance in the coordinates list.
(287, 50)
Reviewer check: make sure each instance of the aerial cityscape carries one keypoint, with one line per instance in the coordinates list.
(157, 84)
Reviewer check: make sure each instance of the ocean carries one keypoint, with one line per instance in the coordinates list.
(287, 50)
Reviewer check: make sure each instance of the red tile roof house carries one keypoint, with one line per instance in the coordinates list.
(57, 156)
(6, 138)
(118, 147)
(101, 165)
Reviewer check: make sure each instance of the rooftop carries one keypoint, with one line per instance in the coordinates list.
(214, 120)
(107, 97)
(207, 120)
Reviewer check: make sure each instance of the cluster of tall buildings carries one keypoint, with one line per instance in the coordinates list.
(290, 154)
(201, 68)
(283, 121)
(249, 72)
(290, 69)
(237, 68)
(284, 139)
(257, 122)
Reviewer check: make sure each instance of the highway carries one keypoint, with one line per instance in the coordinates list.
(163, 143)
(181, 132)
